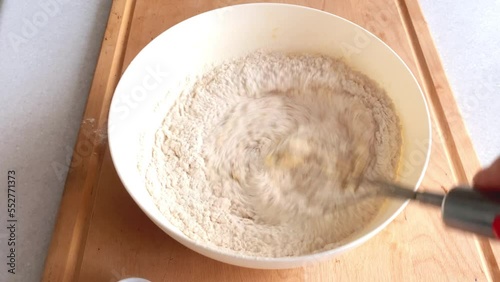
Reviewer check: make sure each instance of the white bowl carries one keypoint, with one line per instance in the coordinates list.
(189, 47)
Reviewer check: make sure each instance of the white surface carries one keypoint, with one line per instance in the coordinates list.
(230, 33)
(467, 35)
(45, 85)
(45, 82)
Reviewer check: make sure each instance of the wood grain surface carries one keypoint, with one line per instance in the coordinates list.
(101, 234)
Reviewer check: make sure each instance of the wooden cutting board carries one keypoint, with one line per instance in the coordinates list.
(101, 234)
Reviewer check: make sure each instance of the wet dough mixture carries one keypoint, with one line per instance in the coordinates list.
(258, 157)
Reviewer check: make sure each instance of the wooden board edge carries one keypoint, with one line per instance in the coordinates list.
(451, 121)
(451, 128)
(70, 231)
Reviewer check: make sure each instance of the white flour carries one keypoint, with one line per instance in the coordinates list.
(258, 156)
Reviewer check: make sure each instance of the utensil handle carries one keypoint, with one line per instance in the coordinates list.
(473, 210)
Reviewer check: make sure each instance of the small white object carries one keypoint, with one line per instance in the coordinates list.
(134, 279)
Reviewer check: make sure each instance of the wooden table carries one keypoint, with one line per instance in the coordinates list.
(101, 235)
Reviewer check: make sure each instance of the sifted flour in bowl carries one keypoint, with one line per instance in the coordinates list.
(258, 157)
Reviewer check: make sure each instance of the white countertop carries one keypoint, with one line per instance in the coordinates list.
(48, 52)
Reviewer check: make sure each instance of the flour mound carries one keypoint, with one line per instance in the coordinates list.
(258, 157)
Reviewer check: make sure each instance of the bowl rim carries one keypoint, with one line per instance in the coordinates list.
(292, 260)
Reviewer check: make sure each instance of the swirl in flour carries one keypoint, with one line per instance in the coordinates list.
(288, 152)
(259, 156)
